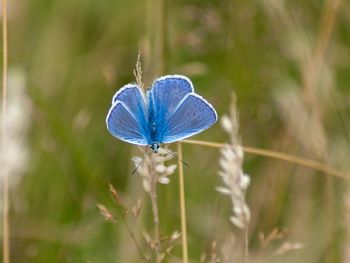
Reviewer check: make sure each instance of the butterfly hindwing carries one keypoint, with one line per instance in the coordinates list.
(123, 125)
(193, 115)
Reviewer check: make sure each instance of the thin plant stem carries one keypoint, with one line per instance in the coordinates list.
(314, 66)
(326, 26)
(154, 203)
(131, 233)
(4, 59)
(246, 244)
(280, 156)
(5, 212)
(182, 204)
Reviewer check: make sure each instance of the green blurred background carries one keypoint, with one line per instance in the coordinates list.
(72, 56)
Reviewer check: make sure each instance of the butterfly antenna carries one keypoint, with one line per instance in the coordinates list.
(137, 167)
(177, 157)
(139, 164)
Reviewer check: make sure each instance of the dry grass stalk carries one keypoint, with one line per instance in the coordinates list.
(5, 209)
(288, 247)
(115, 195)
(309, 103)
(305, 116)
(124, 212)
(138, 71)
(229, 248)
(275, 234)
(106, 213)
(153, 170)
(135, 210)
(182, 205)
(312, 68)
(318, 166)
(154, 201)
(303, 124)
(211, 256)
(232, 175)
(284, 247)
(346, 247)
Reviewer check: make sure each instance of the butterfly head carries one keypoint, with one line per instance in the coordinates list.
(155, 147)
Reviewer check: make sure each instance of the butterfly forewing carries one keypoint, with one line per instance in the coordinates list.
(193, 115)
(166, 94)
(122, 124)
(132, 98)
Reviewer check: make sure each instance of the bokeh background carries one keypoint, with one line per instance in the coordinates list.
(288, 63)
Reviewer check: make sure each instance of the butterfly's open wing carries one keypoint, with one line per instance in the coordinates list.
(123, 125)
(166, 94)
(132, 97)
(127, 119)
(192, 116)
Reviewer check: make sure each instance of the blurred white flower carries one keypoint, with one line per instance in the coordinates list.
(231, 173)
(223, 190)
(171, 169)
(154, 165)
(226, 124)
(288, 246)
(160, 168)
(164, 180)
(13, 150)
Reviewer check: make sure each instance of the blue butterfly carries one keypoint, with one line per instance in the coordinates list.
(170, 111)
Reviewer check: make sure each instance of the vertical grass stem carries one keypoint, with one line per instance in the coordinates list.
(182, 205)
(246, 245)
(154, 204)
(5, 212)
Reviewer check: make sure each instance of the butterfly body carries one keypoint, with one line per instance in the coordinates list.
(169, 112)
